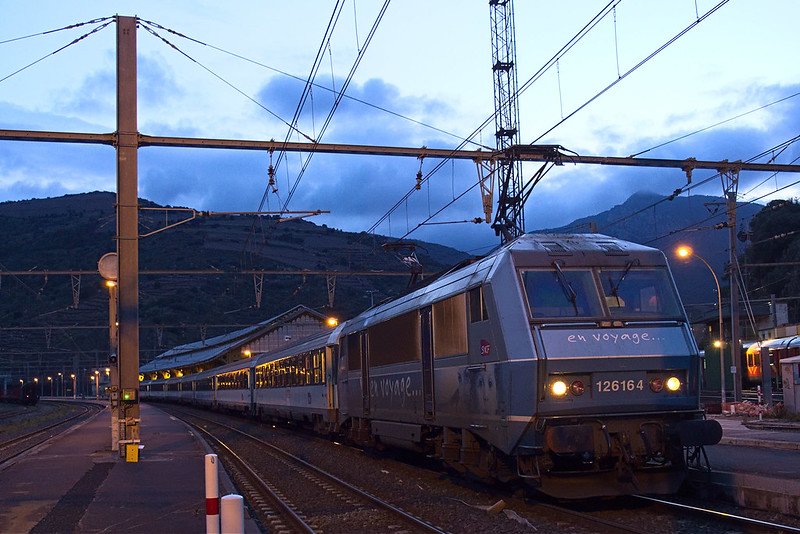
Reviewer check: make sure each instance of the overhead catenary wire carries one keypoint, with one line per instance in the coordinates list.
(695, 185)
(608, 8)
(340, 95)
(720, 123)
(153, 32)
(47, 32)
(477, 131)
(56, 51)
(636, 67)
(317, 86)
(309, 83)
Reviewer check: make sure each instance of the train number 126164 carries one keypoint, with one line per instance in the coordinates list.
(609, 386)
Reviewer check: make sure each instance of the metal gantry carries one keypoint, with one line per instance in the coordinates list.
(509, 221)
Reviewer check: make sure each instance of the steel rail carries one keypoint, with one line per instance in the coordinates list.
(722, 515)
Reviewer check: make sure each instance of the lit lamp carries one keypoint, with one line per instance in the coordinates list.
(332, 321)
(686, 252)
(74, 389)
(50, 384)
(97, 384)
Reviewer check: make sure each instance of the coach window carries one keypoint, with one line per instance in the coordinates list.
(450, 326)
(319, 365)
(395, 341)
(477, 305)
(561, 293)
(260, 372)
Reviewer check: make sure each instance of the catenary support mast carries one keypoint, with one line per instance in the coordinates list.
(128, 228)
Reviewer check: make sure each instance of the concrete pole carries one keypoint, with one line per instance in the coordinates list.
(128, 222)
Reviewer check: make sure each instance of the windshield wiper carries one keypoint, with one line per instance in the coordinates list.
(566, 287)
(615, 287)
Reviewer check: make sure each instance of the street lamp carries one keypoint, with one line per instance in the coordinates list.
(74, 389)
(97, 384)
(61, 385)
(686, 252)
(50, 384)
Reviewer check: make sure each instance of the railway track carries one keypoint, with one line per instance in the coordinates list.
(10, 414)
(14, 447)
(287, 492)
(647, 515)
(753, 525)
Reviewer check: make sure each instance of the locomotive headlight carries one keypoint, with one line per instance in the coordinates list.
(673, 383)
(558, 388)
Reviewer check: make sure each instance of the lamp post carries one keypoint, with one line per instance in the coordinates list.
(97, 384)
(686, 252)
(50, 384)
(74, 390)
(60, 385)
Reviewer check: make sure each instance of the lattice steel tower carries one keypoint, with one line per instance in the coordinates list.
(509, 222)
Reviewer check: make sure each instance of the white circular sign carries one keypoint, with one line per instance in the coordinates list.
(108, 266)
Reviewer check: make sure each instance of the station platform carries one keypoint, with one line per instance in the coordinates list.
(76, 483)
(756, 464)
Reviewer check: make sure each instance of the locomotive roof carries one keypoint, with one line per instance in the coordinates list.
(529, 250)
(596, 248)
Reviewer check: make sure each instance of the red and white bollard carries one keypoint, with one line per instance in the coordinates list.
(232, 514)
(212, 495)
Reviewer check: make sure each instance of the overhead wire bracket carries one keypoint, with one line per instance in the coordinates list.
(486, 174)
(421, 159)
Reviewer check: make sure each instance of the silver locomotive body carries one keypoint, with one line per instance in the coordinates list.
(563, 359)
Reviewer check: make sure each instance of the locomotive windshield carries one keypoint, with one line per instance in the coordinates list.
(562, 293)
(630, 291)
(639, 292)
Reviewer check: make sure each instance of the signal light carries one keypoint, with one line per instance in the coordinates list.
(577, 388)
(656, 384)
(129, 394)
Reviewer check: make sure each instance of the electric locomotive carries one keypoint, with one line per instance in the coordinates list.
(566, 360)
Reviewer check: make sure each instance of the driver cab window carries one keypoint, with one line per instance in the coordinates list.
(561, 293)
